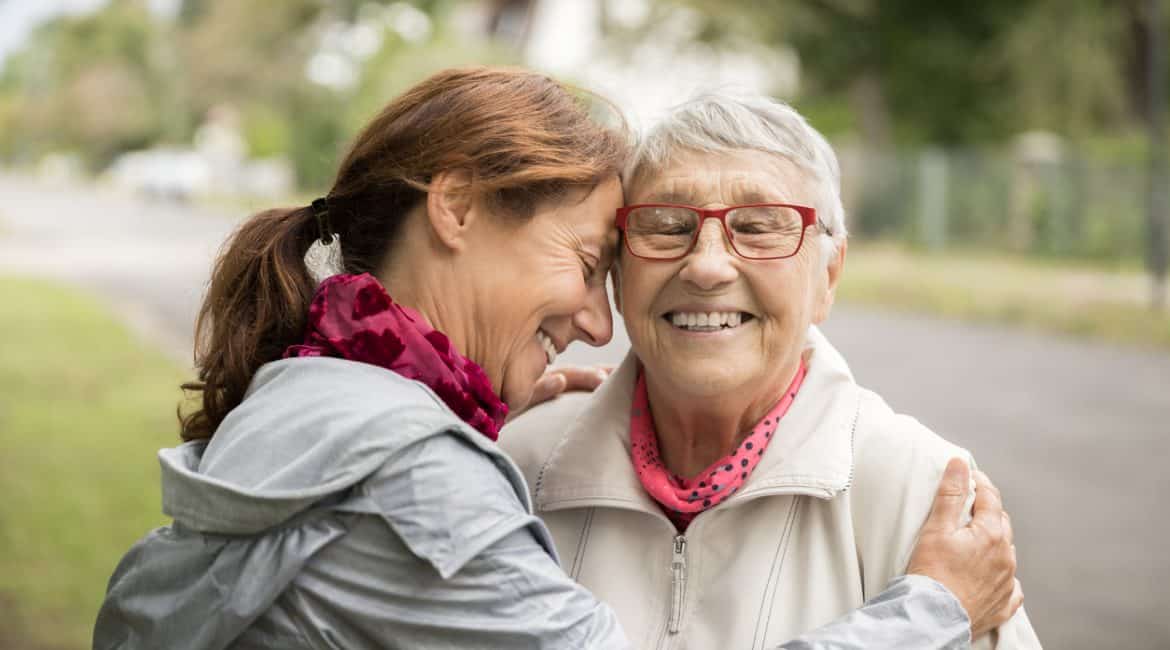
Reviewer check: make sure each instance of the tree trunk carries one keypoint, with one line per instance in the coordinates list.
(1158, 205)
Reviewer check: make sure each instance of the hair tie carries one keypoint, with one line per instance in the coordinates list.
(323, 259)
(320, 209)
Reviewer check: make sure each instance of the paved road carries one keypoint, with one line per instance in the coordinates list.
(150, 258)
(1076, 434)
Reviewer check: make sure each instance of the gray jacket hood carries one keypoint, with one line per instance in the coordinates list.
(273, 482)
(302, 434)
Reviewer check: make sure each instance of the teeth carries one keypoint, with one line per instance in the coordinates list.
(706, 321)
(550, 350)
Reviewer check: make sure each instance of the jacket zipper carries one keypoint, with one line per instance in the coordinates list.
(678, 581)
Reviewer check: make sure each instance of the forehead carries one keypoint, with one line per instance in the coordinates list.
(587, 212)
(731, 177)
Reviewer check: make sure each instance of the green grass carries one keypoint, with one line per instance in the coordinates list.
(1050, 296)
(83, 409)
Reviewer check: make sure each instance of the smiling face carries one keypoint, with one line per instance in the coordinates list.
(539, 284)
(713, 324)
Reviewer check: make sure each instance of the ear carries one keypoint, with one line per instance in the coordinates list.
(450, 207)
(833, 276)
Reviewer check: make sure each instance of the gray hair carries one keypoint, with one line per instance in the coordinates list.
(723, 123)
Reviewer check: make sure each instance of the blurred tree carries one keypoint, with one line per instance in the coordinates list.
(916, 71)
(253, 56)
(243, 52)
(93, 84)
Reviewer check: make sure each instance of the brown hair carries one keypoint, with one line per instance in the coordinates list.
(523, 137)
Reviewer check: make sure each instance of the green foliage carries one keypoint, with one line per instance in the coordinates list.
(917, 71)
(398, 65)
(94, 84)
(83, 409)
(317, 138)
(267, 131)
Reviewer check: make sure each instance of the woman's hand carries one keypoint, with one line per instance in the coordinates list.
(560, 380)
(977, 562)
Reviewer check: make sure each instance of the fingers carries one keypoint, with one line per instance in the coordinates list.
(1017, 599)
(1006, 523)
(547, 387)
(951, 496)
(586, 379)
(988, 510)
(986, 494)
(555, 382)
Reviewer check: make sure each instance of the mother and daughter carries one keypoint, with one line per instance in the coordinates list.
(342, 483)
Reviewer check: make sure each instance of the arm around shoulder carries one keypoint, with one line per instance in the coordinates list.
(898, 466)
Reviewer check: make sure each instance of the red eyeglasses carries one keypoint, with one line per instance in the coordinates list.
(758, 231)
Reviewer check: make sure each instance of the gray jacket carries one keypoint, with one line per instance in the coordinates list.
(344, 506)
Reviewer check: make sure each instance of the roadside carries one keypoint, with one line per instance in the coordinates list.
(84, 406)
(148, 259)
(1042, 295)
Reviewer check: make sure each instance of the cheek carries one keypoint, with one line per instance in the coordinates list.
(785, 292)
(639, 286)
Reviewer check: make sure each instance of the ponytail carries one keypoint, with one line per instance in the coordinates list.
(256, 306)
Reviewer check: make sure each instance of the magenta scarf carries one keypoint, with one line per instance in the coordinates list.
(352, 317)
(681, 499)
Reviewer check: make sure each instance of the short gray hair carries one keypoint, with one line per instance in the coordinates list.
(723, 123)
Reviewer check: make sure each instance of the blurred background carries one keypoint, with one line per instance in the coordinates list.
(1005, 177)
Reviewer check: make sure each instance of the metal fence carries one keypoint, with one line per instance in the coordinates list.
(1035, 200)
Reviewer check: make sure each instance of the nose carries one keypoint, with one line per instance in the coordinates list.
(710, 263)
(593, 323)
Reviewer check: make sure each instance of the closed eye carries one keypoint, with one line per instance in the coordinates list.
(588, 268)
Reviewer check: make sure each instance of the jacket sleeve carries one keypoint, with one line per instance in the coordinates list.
(913, 612)
(440, 552)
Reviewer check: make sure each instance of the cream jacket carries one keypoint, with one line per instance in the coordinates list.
(827, 519)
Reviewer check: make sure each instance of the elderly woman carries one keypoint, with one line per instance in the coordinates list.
(730, 485)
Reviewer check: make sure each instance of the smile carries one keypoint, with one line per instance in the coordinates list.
(712, 321)
(550, 349)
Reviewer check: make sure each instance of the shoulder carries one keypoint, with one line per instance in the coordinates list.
(338, 382)
(898, 463)
(893, 449)
(315, 426)
(531, 438)
(449, 498)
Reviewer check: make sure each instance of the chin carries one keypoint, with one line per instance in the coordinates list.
(517, 388)
(711, 377)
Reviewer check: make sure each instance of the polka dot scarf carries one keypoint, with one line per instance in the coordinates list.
(683, 498)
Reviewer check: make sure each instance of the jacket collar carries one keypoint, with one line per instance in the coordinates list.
(810, 453)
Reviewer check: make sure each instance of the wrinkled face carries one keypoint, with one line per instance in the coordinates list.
(542, 286)
(761, 309)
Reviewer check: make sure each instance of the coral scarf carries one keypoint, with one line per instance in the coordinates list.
(681, 498)
(352, 317)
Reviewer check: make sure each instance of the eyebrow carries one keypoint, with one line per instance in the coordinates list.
(753, 195)
(742, 197)
(669, 196)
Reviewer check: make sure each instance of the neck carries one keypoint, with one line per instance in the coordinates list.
(694, 431)
(419, 277)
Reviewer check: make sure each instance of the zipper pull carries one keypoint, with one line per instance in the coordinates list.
(678, 581)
